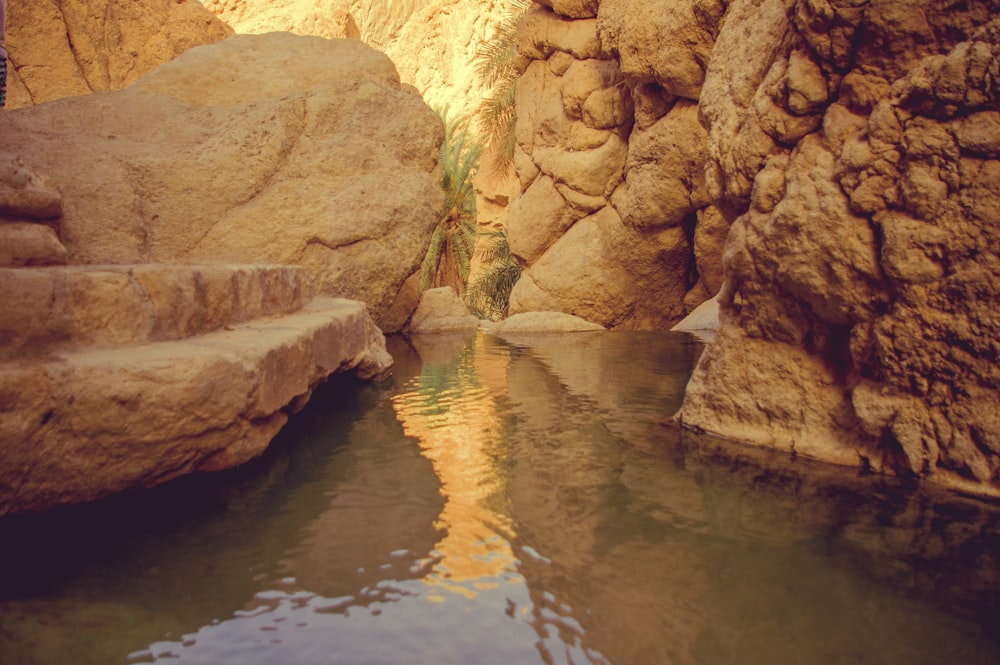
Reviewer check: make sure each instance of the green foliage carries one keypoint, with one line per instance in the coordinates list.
(450, 252)
(489, 295)
(495, 68)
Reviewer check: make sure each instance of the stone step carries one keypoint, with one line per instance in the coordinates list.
(78, 425)
(44, 309)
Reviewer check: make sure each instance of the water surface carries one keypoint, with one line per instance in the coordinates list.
(512, 503)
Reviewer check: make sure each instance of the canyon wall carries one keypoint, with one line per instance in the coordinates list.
(614, 222)
(63, 48)
(433, 43)
(830, 168)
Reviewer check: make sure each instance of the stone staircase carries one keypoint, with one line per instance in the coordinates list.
(124, 376)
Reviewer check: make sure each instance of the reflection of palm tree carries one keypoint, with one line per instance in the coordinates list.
(452, 410)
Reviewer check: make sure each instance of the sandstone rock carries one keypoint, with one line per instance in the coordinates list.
(573, 8)
(857, 321)
(432, 42)
(665, 172)
(105, 306)
(271, 148)
(662, 41)
(602, 271)
(710, 235)
(538, 218)
(29, 245)
(543, 322)
(84, 424)
(24, 194)
(542, 33)
(61, 49)
(441, 311)
(704, 318)
(594, 131)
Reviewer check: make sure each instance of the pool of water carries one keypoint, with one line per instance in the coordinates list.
(514, 503)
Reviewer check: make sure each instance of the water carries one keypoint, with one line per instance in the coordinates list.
(511, 504)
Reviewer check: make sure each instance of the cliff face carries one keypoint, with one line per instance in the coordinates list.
(610, 155)
(60, 48)
(862, 273)
(830, 167)
(432, 42)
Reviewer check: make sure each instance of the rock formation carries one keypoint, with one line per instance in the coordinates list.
(174, 285)
(831, 169)
(61, 49)
(860, 148)
(432, 42)
(272, 148)
(610, 154)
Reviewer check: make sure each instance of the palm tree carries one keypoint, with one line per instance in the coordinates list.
(489, 295)
(495, 67)
(447, 260)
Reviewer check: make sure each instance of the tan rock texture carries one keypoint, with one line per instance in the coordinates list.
(610, 155)
(440, 310)
(828, 169)
(259, 149)
(432, 42)
(857, 149)
(81, 424)
(63, 48)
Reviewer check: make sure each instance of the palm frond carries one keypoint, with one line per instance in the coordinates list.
(495, 69)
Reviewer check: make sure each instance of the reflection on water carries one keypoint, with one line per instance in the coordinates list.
(520, 501)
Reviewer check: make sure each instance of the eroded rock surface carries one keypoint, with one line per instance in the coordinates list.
(432, 42)
(63, 48)
(858, 316)
(272, 148)
(830, 170)
(610, 155)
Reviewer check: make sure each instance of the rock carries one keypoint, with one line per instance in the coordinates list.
(63, 49)
(704, 318)
(432, 42)
(665, 170)
(862, 273)
(24, 194)
(83, 424)
(229, 153)
(441, 311)
(662, 41)
(603, 271)
(538, 218)
(29, 245)
(543, 322)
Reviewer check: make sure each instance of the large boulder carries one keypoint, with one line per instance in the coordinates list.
(62, 48)
(272, 148)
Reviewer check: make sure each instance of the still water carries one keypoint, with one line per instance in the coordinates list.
(509, 502)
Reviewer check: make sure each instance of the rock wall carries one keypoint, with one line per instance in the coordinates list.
(432, 42)
(614, 207)
(59, 48)
(859, 146)
(177, 258)
(830, 168)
